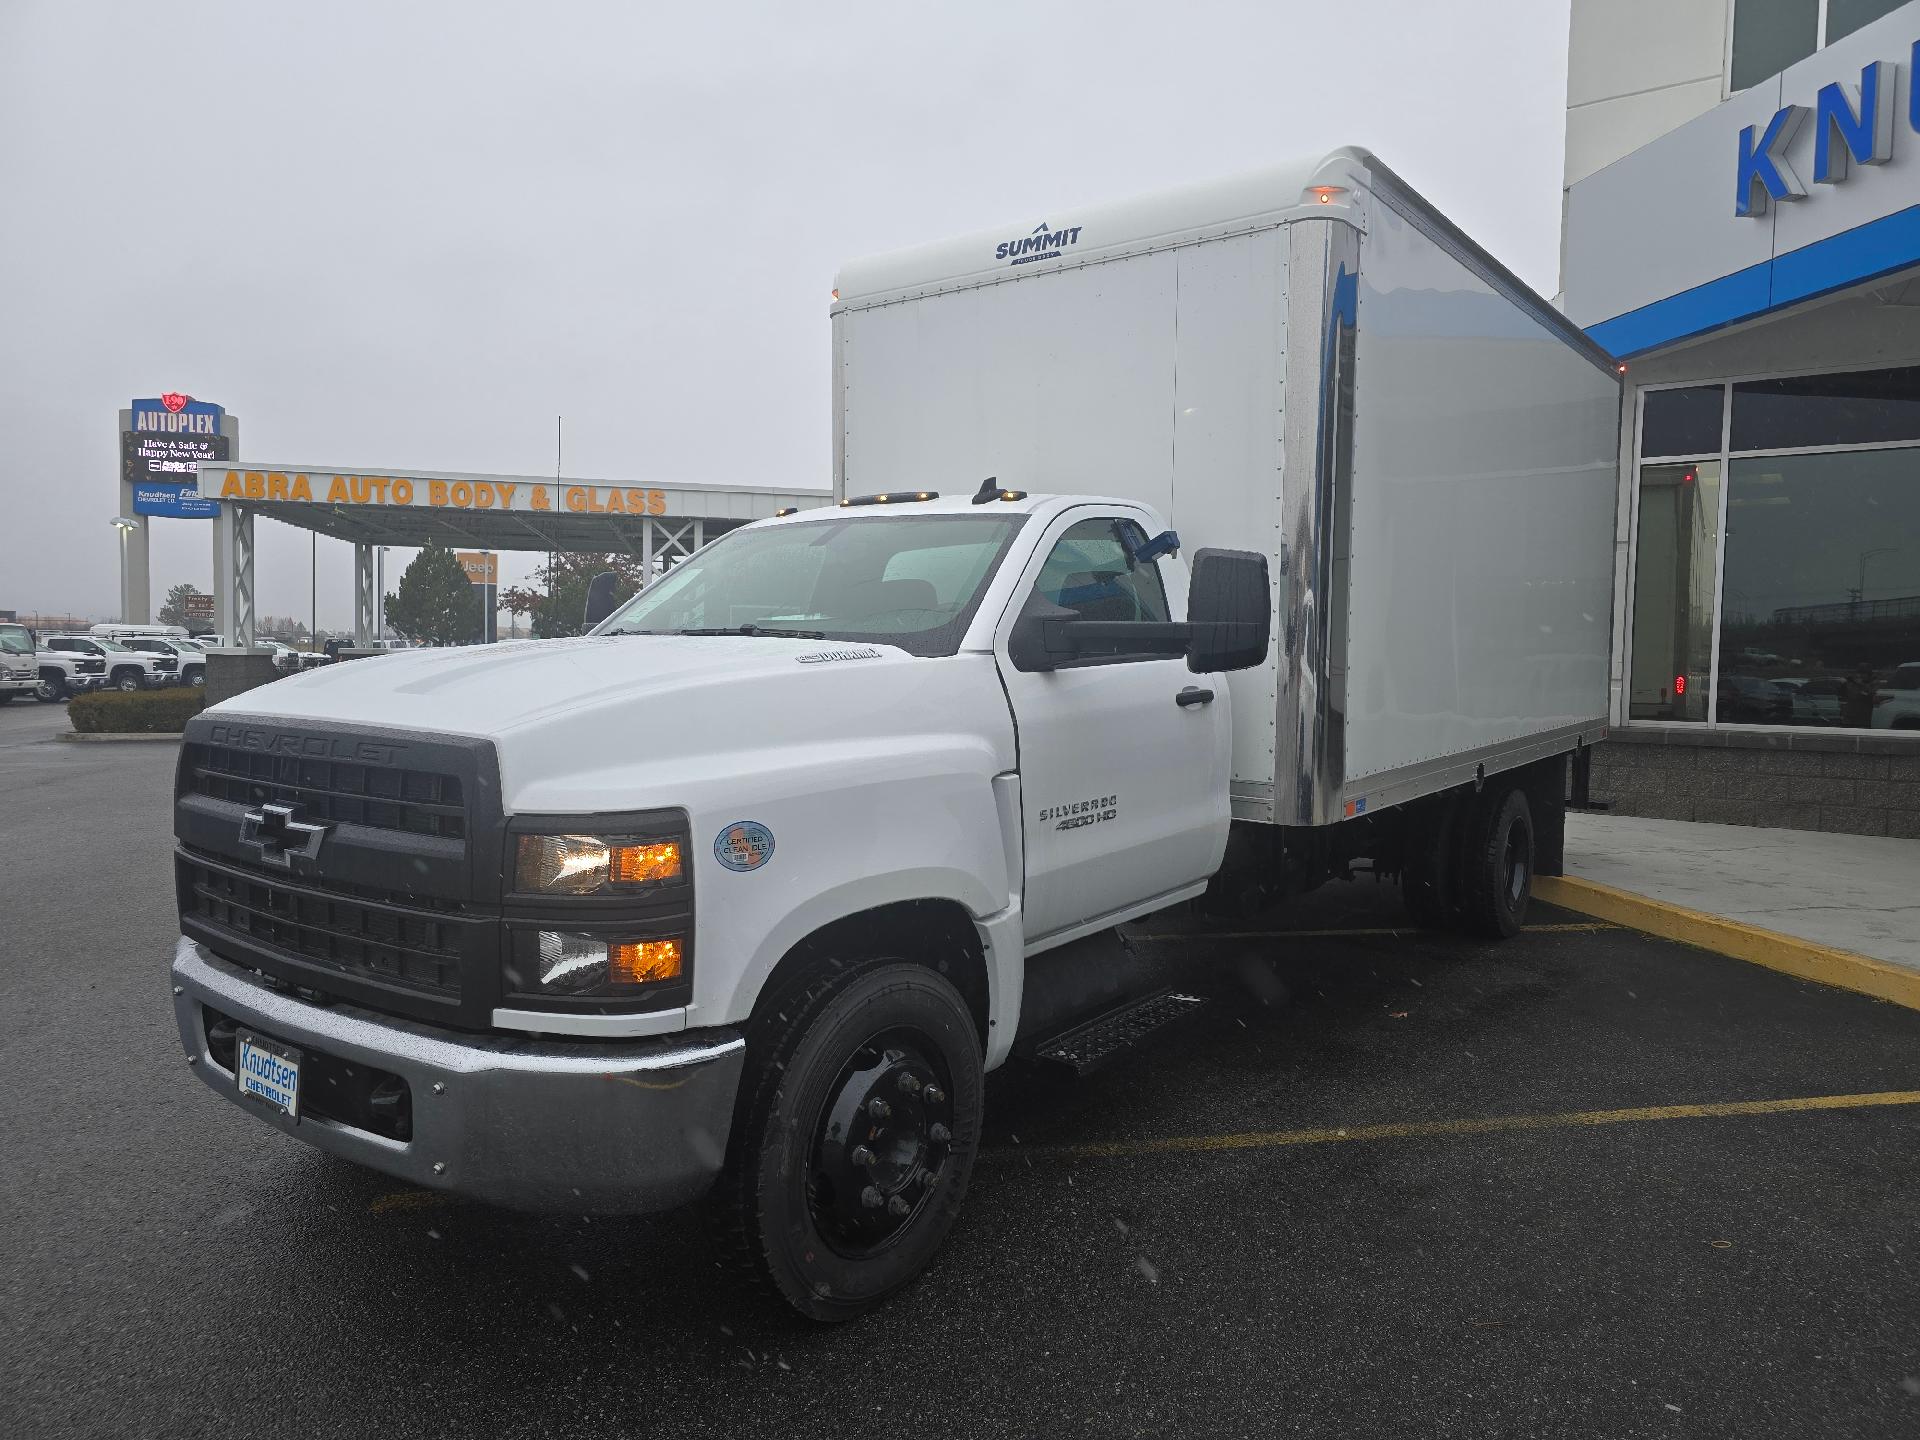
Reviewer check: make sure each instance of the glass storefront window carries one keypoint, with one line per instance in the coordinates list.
(1770, 35)
(1678, 540)
(1821, 616)
(1682, 422)
(1846, 16)
(1864, 407)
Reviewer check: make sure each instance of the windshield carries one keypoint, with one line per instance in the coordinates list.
(910, 581)
(106, 644)
(14, 640)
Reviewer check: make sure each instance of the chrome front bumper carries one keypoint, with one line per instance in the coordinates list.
(515, 1121)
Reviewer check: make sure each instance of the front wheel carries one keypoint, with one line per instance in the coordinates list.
(50, 690)
(853, 1139)
(128, 680)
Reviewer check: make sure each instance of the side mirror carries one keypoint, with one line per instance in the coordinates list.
(1040, 622)
(603, 597)
(1229, 611)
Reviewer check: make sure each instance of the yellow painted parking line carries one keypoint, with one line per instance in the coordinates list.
(1561, 928)
(1418, 1129)
(1788, 954)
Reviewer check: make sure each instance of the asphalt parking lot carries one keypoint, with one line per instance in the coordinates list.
(1387, 1184)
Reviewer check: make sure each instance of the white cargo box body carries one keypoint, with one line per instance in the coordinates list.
(1312, 362)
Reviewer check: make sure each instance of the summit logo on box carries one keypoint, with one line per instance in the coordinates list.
(1045, 243)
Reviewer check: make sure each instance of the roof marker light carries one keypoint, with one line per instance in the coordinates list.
(1325, 193)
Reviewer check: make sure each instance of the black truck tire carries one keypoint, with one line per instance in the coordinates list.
(1496, 872)
(853, 1137)
(52, 689)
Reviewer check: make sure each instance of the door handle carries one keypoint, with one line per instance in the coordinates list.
(1193, 695)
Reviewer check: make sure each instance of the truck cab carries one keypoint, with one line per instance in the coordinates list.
(19, 674)
(853, 764)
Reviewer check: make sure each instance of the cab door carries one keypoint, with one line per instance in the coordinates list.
(1123, 758)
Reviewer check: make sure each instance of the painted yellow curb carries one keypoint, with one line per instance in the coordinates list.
(1786, 953)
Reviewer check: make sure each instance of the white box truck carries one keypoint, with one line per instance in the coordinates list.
(740, 896)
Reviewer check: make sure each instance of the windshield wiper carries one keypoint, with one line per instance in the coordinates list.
(751, 629)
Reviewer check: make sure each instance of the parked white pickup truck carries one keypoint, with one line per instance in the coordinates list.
(741, 896)
(66, 673)
(126, 669)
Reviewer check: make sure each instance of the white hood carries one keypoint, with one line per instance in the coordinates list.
(628, 721)
(492, 689)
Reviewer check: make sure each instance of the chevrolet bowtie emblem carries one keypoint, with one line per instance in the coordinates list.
(279, 837)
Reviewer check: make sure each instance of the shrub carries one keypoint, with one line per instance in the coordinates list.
(146, 712)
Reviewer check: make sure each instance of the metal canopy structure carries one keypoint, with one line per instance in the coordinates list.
(369, 509)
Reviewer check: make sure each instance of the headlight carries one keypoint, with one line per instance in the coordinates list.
(594, 864)
(596, 966)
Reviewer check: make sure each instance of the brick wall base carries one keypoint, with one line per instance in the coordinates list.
(1793, 780)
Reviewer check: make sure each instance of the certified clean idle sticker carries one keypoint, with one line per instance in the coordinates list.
(743, 845)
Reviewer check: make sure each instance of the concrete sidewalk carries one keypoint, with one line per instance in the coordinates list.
(1855, 893)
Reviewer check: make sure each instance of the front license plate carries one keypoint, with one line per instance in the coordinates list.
(269, 1072)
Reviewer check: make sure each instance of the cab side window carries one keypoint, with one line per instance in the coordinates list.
(1092, 571)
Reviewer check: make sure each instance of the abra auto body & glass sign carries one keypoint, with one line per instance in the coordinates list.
(429, 492)
(1851, 125)
(166, 439)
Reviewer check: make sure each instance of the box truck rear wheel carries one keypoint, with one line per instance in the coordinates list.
(853, 1139)
(1497, 866)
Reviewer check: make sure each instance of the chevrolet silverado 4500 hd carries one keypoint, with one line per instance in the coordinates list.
(1297, 555)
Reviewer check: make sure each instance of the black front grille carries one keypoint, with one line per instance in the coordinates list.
(381, 940)
(90, 667)
(382, 797)
(395, 907)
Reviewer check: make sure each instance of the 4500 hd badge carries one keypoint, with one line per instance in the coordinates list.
(1081, 812)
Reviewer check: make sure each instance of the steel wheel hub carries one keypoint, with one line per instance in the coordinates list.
(882, 1141)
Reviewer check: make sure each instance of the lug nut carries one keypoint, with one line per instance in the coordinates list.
(897, 1206)
(939, 1133)
(178, 988)
(909, 1082)
(439, 1167)
(862, 1155)
(870, 1197)
(879, 1109)
(438, 1088)
(935, 1095)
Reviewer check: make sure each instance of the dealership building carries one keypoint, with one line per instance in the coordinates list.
(1742, 229)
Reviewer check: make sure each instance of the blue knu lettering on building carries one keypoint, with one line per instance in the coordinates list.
(1850, 126)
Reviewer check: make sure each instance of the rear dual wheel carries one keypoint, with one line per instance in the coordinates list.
(1471, 866)
(853, 1138)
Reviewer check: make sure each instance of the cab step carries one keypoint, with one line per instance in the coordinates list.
(1086, 1046)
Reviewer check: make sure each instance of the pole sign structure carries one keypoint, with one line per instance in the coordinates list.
(161, 451)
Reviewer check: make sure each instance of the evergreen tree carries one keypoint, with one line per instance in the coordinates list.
(435, 602)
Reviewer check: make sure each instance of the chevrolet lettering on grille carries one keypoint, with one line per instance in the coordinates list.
(279, 837)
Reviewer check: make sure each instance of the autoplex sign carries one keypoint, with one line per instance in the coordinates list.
(161, 450)
(429, 493)
(1852, 125)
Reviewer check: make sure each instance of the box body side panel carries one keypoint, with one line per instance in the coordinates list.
(1478, 560)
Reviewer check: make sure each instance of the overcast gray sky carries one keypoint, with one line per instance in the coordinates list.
(411, 234)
